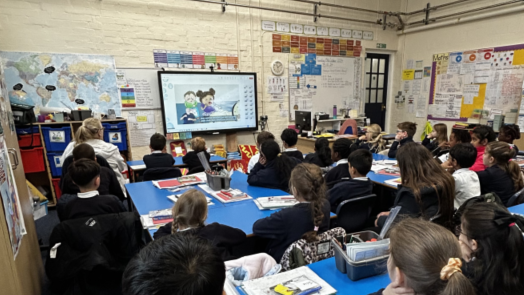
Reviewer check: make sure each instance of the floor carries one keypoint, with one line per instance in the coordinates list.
(44, 227)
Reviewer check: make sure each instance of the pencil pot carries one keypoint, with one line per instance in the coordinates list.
(217, 182)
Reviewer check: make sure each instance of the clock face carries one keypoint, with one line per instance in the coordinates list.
(277, 68)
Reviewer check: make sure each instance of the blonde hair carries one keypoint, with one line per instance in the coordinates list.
(376, 137)
(442, 132)
(190, 210)
(198, 144)
(88, 130)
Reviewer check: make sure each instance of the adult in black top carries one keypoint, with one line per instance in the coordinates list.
(157, 159)
(87, 205)
(223, 237)
(396, 145)
(347, 190)
(496, 180)
(109, 184)
(192, 161)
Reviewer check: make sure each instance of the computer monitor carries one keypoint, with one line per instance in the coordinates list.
(303, 120)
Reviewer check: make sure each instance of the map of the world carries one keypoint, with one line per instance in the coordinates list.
(61, 81)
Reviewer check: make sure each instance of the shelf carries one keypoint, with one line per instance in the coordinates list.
(341, 119)
(79, 122)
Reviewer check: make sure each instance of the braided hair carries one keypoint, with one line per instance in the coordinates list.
(190, 210)
(511, 131)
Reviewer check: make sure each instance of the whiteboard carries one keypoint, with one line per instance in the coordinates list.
(145, 84)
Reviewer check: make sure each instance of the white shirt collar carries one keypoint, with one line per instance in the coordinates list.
(156, 152)
(290, 150)
(361, 178)
(461, 170)
(342, 161)
(88, 194)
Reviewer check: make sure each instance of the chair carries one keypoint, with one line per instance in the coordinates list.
(516, 199)
(348, 123)
(353, 214)
(161, 173)
(196, 170)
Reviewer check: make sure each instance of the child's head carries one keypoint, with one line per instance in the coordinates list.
(157, 142)
(493, 237)
(463, 155)
(323, 151)
(91, 129)
(283, 163)
(508, 133)
(407, 129)
(85, 173)
(263, 137)
(360, 162)
(373, 131)
(84, 151)
(206, 97)
(426, 258)
(190, 97)
(500, 153)
(482, 135)
(289, 137)
(307, 184)
(341, 149)
(441, 131)
(190, 210)
(198, 144)
(459, 136)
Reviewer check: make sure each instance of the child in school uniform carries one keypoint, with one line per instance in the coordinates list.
(273, 168)
(480, 137)
(261, 138)
(305, 220)
(457, 136)
(189, 217)
(159, 157)
(372, 141)
(359, 185)
(467, 184)
(340, 154)
(405, 133)
(509, 133)
(502, 176)
(437, 138)
(85, 173)
(322, 155)
(289, 139)
(198, 144)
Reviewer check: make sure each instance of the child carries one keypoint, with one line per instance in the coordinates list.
(189, 215)
(509, 133)
(261, 138)
(198, 144)
(427, 190)
(405, 133)
(439, 136)
(322, 155)
(480, 137)
(457, 136)
(159, 156)
(493, 248)
(359, 185)
(341, 151)
(302, 221)
(501, 176)
(289, 139)
(372, 141)
(88, 202)
(206, 101)
(467, 185)
(273, 168)
(425, 259)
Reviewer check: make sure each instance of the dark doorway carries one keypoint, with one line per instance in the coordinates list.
(377, 69)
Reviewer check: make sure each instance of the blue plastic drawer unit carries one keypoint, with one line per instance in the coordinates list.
(116, 133)
(55, 164)
(56, 138)
(27, 130)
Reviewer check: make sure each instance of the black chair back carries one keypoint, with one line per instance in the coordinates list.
(161, 173)
(353, 214)
(196, 170)
(516, 198)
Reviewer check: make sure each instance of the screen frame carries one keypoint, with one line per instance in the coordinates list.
(214, 131)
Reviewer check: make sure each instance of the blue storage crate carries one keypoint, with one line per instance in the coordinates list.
(27, 130)
(56, 138)
(116, 133)
(55, 164)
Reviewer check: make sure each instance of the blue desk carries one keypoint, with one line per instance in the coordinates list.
(519, 209)
(380, 178)
(139, 165)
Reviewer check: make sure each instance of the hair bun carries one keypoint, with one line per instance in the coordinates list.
(212, 91)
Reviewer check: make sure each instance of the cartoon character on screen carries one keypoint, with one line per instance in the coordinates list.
(191, 104)
(206, 101)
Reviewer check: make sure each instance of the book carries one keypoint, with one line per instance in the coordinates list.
(226, 196)
(392, 171)
(367, 250)
(393, 182)
(174, 198)
(177, 182)
(269, 203)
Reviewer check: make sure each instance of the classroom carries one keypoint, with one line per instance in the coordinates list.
(261, 147)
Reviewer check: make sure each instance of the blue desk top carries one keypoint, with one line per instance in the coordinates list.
(519, 209)
(178, 162)
(381, 178)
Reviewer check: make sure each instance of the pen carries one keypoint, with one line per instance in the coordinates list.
(310, 291)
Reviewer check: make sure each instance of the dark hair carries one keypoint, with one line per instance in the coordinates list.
(484, 132)
(323, 151)
(189, 92)
(175, 265)
(409, 127)
(157, 142)
(84, 151)
(361, 160)
(289, 136)
(499, 258)
(503, 153)
(461, 135)
(201, 94)
(418, 170)
(263, 136)
(342, 146)
(283, 163)
(511, 130)
(310, 185)
(84, 171)
(464, 153)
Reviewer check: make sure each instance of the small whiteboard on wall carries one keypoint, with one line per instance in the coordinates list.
(143, 84)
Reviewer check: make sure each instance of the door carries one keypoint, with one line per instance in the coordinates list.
(377, 69)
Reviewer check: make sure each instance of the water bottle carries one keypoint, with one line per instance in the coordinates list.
(334, 111)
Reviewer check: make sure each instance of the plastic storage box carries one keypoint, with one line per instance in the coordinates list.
(56, 138)
(218, 182)
(56, 185)
(27, 130)
(55, 164)
(33, 160)
(116, 133)
(25, 140)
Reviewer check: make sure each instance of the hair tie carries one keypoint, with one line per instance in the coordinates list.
(453, 266)
(316, 228)
(512, 224)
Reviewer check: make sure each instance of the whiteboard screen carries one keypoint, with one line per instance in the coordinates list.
(144, 82)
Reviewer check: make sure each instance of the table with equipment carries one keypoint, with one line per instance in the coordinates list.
(307, 145)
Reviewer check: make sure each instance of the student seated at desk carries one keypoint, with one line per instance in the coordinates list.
(425, 259)
(405, 133)
(322, 155)
(502, 176)
(88, 202)
(509, 133)
(427, 190)
(189, 215)
(273, 168)
(175, 265)
(480, 137)
(302, 221)
(198, 144)
(493, 248)
(340, 154)
(457, 136)
(109, 185)
(289, 139)
(467, 184)
(372, 141)
(261, 138)
(437, 138)
(159, 157)
(359, 185)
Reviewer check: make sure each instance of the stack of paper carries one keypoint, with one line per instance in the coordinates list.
(269, 203)
(174, 198)
(377, 168)
(393, 182)
(363, 251)
(226, 196)
(177, 182)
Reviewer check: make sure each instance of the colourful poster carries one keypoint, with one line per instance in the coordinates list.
(199, 61)
(221, 61)
(232, 62)
(312, 45)
(173, 59)
(127, 96)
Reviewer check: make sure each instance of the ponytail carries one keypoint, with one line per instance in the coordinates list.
(376, 137)
(458, 284)
(516, 175)
(284, 163)
(88, 130)
(503, 153)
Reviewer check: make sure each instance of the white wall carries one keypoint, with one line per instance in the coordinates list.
(130, 30)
